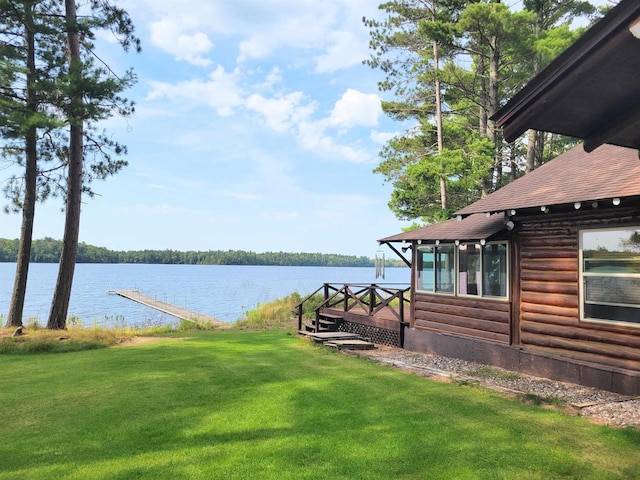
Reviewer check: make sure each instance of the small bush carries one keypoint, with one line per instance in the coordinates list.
(33, 323)
(278, 314)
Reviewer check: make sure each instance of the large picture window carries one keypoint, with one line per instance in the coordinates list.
(465, 269)
(610, 273)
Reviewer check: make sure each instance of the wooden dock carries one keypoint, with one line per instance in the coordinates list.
(181, 313)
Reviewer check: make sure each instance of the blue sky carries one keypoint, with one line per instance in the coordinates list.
(257, 128)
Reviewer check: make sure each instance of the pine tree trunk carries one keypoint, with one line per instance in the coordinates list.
(62, 292)
(26, 236)
(438, 113)
(492, 132)
(531, 152)
(534, 138)
(18, 294)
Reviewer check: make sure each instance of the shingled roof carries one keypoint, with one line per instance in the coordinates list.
(472, 228)
(575, 176)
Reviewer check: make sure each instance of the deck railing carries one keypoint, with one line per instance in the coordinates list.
(370, 299)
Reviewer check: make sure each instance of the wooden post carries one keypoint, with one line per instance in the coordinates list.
(372, 298)
(401, 312)
(345, 289)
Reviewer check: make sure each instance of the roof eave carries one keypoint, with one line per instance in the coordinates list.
(515, 117)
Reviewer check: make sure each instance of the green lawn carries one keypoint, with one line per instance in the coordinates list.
(243, 405)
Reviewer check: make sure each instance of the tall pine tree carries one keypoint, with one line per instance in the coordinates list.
(474, 55)
(91, 93)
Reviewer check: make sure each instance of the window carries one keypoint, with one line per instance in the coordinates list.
(494, 266)
(425, 269)
(445, 268)
(466, 269)
(610, 274)
(470, 270)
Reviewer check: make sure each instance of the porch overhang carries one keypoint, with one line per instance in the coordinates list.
(474, 228)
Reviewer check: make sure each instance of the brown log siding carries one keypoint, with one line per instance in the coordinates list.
(549, 310)
(478, 318)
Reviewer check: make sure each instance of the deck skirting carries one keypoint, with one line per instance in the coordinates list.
(377, 335)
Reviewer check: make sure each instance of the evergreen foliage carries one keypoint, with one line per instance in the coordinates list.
(448, 66)
(47, 250)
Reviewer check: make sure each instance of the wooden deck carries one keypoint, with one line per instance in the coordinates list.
(387, 318)
(377, 312)
(181, 313)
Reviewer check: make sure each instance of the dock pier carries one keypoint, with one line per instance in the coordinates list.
(181, 313)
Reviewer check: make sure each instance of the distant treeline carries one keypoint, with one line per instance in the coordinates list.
(47, 250)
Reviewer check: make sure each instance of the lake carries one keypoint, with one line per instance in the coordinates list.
(222, 291)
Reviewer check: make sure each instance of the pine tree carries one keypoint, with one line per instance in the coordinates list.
(449, 65)
(91, 94)
(28, 63)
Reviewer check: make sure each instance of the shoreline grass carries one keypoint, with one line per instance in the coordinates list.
(276, 315)
(34, 339)
(232, 404)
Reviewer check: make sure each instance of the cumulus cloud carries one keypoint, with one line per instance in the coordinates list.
(299, 25)
(356, 109)
(312, 136)
(170, 36)
(220, 91)
(344, 50)
(332, 32)
(281, 112)
(273, 78)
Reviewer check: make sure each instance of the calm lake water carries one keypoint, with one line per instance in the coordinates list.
(221, 291)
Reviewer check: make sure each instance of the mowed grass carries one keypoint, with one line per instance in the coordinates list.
(267, 405)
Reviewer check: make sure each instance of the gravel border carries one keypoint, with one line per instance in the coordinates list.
(599, 406)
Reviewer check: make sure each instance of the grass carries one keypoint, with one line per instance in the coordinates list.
(35, 339)
(278, 314)
(491, 372)
(244, 405)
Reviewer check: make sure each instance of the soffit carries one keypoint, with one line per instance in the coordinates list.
(591, 91)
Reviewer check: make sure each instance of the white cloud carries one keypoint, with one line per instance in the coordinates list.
(169, 35)
(356, 108)
(282, 112)
(273, 77)
(312, 137)
(344, 51)
(221, 91)
(382, 137)
(289, 24)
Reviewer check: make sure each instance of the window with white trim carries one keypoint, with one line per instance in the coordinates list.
(610, 275)
(468, 269)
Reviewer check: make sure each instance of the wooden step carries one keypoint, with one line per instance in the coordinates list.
(331, 336)
(350, 344)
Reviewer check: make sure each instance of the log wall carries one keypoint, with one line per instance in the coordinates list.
(549, 311)
(470, 317)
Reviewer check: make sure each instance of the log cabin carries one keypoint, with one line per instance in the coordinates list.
(543, 275)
